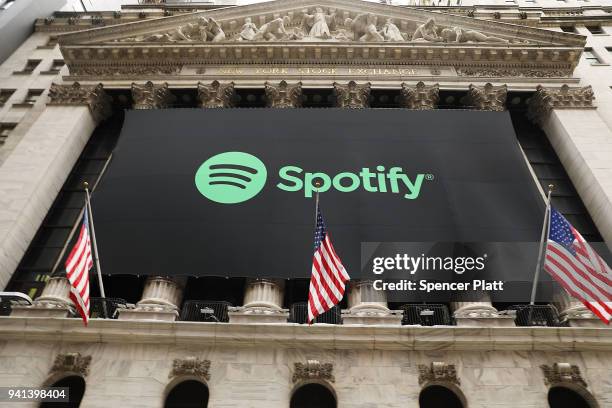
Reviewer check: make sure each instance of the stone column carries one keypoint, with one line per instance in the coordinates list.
(487, 97)
(583, 142)
(263, 302)
(216, 95)
(284, 95)
(35, 171)
(151, 96)
(368, 305)
(352, 95)
(53, 302)
(419, 97)
(161, 300)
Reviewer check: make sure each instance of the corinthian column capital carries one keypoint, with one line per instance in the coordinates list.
(544, 100)
(92, 96)
(420, 96)
(284, 95)
(216, 95)
(488, 97)
(352, 95)
(151, 96)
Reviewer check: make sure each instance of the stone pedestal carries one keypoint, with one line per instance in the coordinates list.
(53, 302)
(161, 299)
(369, 306)
(574, 312)
(480, 313)
(263, 300)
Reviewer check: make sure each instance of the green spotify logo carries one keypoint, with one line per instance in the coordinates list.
(234, 177)
(231, 177)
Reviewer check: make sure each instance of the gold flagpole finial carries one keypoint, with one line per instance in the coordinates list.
(86, 185)
(551, 187)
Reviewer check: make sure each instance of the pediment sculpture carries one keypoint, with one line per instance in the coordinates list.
(319, 25)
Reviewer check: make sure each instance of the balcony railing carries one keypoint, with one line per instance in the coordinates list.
(299, 314)
(536, 315)
(106, 308)
(426, 315)
(205, 311)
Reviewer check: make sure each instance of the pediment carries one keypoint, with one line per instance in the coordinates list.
(309, 21)
(337, 31)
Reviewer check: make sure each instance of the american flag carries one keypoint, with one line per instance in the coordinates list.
(328, 274)
(78, 264)
(576, 266)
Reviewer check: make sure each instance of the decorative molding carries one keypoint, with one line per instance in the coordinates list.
(151, 96)
(284, 95)
(94, 97)
(190, 366)
(216, 95)
(123, 71)
(487, 97)
(313, 370)
(512, 72)
(71, 362)
(421, 96)
(352, 95)
(562, 373)
(438, 372)
(544, 100)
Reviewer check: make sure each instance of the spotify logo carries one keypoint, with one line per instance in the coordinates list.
(231, 177)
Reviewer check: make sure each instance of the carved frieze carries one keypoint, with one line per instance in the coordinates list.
(438, 372)
(71, 363)
(421, 96)
(562, 373)
(94, 97)
(123, 70)
(151, 96)
(190, 366)
(487, 97)
(512, 72)
(284, 95)
(216, 95)
(544, 100)
(352, 95)
(313, 370)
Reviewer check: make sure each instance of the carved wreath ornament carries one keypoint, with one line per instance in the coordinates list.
(438, 372)
(313, 370)
(191, 366)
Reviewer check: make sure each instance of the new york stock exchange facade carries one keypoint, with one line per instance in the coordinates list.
(299, 84)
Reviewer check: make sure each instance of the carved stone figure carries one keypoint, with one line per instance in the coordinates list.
(460, 35)
(352, 95)
(248, 30)
(562, 373)
(364, 28)
(438, 371)
(313, 370)
(215, 31)
(427, 32)
(71, 363)
(284, 95)
(390, 32)
(190, 366)
(216, 95)
(273, 30)
(204, 29)
(318, 24)
(421, 96)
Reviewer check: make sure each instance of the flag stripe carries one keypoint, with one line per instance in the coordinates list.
(572, 262)
(327, 283)
(78, 264)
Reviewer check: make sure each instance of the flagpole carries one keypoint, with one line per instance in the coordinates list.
(95, 245)
(317, 185)
(543, 241)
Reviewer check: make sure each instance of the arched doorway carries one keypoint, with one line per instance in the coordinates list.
(436, 396)
(76, 389)
(564, 397)
(187, 394)
(313, 396)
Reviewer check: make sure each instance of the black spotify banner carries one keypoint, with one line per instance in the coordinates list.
(232, 192)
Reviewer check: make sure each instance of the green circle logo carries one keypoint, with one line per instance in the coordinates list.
(231, 177)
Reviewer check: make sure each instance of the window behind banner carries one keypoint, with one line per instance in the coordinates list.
(76, 390)
(187, 394)
(313, 396)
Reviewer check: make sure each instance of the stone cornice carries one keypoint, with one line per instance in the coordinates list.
(92, 96)
(556, 339)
